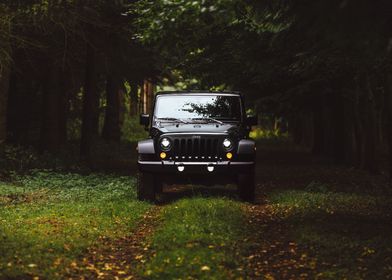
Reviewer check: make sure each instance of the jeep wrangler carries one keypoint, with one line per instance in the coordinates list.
(196, 137)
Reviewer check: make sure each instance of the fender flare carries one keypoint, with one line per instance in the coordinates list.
(146, 146)
(246, 147)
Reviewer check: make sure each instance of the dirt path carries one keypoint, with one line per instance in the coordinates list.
(271, 252)
(118, 259)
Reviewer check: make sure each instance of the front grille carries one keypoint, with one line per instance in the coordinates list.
(208, 147)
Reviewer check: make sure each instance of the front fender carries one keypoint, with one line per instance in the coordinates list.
(146, 146)
(246, 147)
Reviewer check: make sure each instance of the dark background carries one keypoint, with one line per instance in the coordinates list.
(316, 71)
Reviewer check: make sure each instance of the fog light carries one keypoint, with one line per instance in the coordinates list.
(229, 155)
(163, 155)
(210, 168)
(180, 168)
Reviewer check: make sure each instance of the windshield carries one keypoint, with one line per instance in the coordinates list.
(208, 107)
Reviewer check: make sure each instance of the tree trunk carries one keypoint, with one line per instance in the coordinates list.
(111, 129)
(369, 162)
(133, 110)
(4, 88)
(89, 104)
(149, 89)
(358, 125)
(50, 135)
(122, 92)
(388, 123)
(63, 105)
(24, 98)
(54, 109)
(318, 130)
(307, 130)
(338, 116)
(349, 130)
(297, 129)
(329, 131)
(5, 72)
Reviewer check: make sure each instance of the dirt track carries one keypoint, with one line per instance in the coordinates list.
(271, 252)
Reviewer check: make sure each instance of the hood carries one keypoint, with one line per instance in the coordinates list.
(198, 128)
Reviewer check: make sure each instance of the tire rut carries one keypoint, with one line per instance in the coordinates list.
(119, 258)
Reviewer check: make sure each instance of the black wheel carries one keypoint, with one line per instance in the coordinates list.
(145, 186)
(246, 186)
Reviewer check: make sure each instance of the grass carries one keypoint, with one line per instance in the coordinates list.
(197, 240)
(49, 219)
(350, 235)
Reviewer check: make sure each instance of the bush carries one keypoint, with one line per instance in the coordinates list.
(261, 133)
(21, 159)
(132, 131)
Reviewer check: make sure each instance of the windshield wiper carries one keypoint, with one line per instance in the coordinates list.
(208, 118)
(171, 119)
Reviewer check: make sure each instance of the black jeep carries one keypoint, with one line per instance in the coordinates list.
(197, 137)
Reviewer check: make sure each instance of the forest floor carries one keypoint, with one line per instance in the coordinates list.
(311, 220)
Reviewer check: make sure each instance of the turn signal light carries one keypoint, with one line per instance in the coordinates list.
(229, 155)
(163, 155)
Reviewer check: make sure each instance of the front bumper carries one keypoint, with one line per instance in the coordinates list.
(174, 167)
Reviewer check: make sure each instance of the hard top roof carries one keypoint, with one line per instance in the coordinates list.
(198, 92)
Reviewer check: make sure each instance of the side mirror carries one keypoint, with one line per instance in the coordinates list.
(145, 119)
(251, 120)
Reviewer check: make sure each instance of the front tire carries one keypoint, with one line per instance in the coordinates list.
(246, 186)
(146, 186)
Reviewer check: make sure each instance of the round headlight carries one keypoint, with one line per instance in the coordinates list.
(227, 144)
(165, 144)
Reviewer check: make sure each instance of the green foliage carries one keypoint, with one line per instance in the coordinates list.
(50, 219)
(5, 34)
(158, 18)
(261, 133)
(22, 159)
(196, 240)
(17, 159)
(132, 131)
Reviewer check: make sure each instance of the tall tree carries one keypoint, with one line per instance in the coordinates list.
(111, 129)
(89, 103)
(5, 69)
(4, 87)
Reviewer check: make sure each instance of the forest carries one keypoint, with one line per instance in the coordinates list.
(64, 63)
(76, 74)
